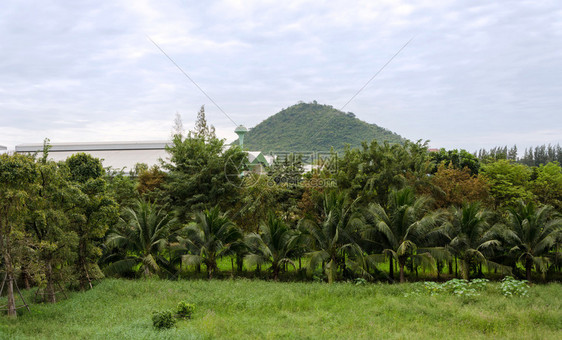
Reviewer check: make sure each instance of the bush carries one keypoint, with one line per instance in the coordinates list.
(163, 319)
(185, 310)
(512, 287)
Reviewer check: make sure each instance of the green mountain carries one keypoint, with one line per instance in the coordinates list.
(313, 127)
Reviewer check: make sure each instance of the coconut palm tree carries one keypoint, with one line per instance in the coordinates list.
(210, 237)
(273, 244)
(469, 236)
(335, 237)
(401, 228)
(140, 237)
(531, 233)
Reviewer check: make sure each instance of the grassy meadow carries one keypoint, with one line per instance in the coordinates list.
(244, 309)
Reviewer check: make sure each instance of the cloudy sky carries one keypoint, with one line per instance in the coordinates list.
(476, 74)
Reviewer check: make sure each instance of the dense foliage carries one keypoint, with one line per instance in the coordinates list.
(375, 211)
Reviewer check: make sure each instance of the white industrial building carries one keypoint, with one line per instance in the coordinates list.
(117, 155)
(125, 155)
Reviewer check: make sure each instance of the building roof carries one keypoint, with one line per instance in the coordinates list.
(94, 146)
(117, 155)
(122, 155)
(256, 157)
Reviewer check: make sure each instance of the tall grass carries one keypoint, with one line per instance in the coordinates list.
(241, 309)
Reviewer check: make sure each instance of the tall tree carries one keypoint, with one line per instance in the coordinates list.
(531, 234)
(141, 235)
(470, 237)
(508, 181)
(94, 211)
(210, 237)
(273, 244)
(202, 172)
(335, 236)
(18, 180)
(202, 129)
(402, 227)
(54, 240)
(547, 184)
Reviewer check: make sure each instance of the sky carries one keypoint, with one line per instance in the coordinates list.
(476, 74)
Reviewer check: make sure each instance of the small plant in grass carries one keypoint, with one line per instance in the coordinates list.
(185, 310)
(455, 287)
(360, 281)
(512, 287)
(163, 319)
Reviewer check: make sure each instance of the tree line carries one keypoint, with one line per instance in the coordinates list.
(379, 212)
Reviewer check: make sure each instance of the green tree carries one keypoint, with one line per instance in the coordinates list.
(210, 237)
(456, 159)
(54, 240)
(93, 212)
(273, 244)
(547, 185)
(402, 227)
(335, 236)
(122, 188)
(141, 236)
(508, 182)
(202, 173)
(18, 180)
(531, 234)
(259, 195)
(377, 169)
(470, 237)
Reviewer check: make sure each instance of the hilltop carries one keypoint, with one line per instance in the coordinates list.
(314, 127)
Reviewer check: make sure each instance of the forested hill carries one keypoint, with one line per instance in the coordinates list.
(314, 127)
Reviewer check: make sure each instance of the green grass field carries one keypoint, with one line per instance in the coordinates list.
(244, 309)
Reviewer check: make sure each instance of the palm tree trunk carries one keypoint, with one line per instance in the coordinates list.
(465, 270)
(450, 267)
(211, 265)
(528, 267)
(456, 268)
(391, 269)
(239, 263)
(402, 263)
(275, 271)
(331, 271)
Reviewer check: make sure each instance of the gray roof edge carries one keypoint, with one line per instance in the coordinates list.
(2, 147)
(95, 146)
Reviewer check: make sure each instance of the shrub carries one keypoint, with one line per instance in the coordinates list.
(185, 310)
(360, 281)
(163, 319)
(512, 287)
